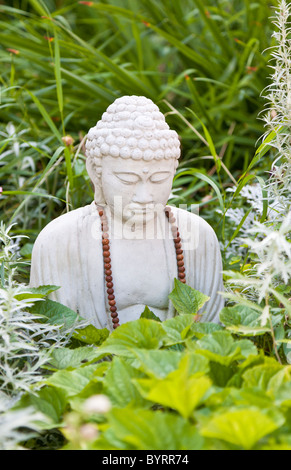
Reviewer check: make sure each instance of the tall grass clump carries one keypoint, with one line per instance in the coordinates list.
(64, 62)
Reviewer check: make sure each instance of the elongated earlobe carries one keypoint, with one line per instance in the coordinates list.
(94, 169)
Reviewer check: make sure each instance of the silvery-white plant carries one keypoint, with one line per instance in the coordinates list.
(269, 242)
(25, 342)
(25, 347)
(16, 425)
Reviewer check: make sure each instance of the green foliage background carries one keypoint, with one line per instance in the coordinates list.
(205, 65)
(176, 384)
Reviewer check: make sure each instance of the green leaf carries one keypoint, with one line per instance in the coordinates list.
(242, 320)
(141, 334)
(186, 299)
(251, 397)
(119, 387)
(222, 348)
(157, 363)
(181, 389)
(36, 292)
(178, 328)
(208, 180)
(72, 382)
(91, 335)
(160, 363)
(55, 313)
(57, 69)
(65, 358)
(283, 395)
(243, 427)
(147, 313)
(138, 429)
(201, 329)
(50, 401)
(26, 250)
(268, 377)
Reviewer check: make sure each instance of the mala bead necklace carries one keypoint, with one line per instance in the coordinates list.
(107, 259)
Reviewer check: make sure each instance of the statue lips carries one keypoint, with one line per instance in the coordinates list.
(140, 209)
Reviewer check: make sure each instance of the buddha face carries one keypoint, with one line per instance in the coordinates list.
(136, 189)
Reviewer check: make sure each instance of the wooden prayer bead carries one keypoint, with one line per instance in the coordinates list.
(113, 309)
(112, 303)
(180, 263)
(180, 257)
(109, 284)
(110, 291)
(108, 272)
(108, 278)
(112, 296)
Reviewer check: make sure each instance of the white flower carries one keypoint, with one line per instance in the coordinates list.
(97, 404)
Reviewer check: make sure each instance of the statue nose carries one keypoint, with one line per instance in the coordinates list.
(142, 194)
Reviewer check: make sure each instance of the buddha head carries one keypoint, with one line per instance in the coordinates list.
(132, 156)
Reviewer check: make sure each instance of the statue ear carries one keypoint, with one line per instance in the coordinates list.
(94, 169)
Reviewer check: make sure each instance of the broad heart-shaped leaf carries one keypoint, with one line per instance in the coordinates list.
(55, 313)
(119, 387)
(91, 335)
(178, 329)
(186, 299)
(50, 401)
(65, 358)
(222, 348)
(72, 382)
(139, 429)
(36, 292)
(241, 427)
(147, 313)
(142, 333)
(159, 363)
(181, 389)
(283, 395)
(201, 329)
(242, 320)
(268, 377)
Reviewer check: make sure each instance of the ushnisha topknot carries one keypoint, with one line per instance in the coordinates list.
(132, 127)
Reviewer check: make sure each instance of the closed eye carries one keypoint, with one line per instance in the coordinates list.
(160, 177)
(127, 178)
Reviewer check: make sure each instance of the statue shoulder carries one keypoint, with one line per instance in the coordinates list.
(193, 222)
(59, 229)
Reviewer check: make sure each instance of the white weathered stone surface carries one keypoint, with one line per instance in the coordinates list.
(132, 156)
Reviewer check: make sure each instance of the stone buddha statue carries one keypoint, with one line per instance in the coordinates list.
(123, 251)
